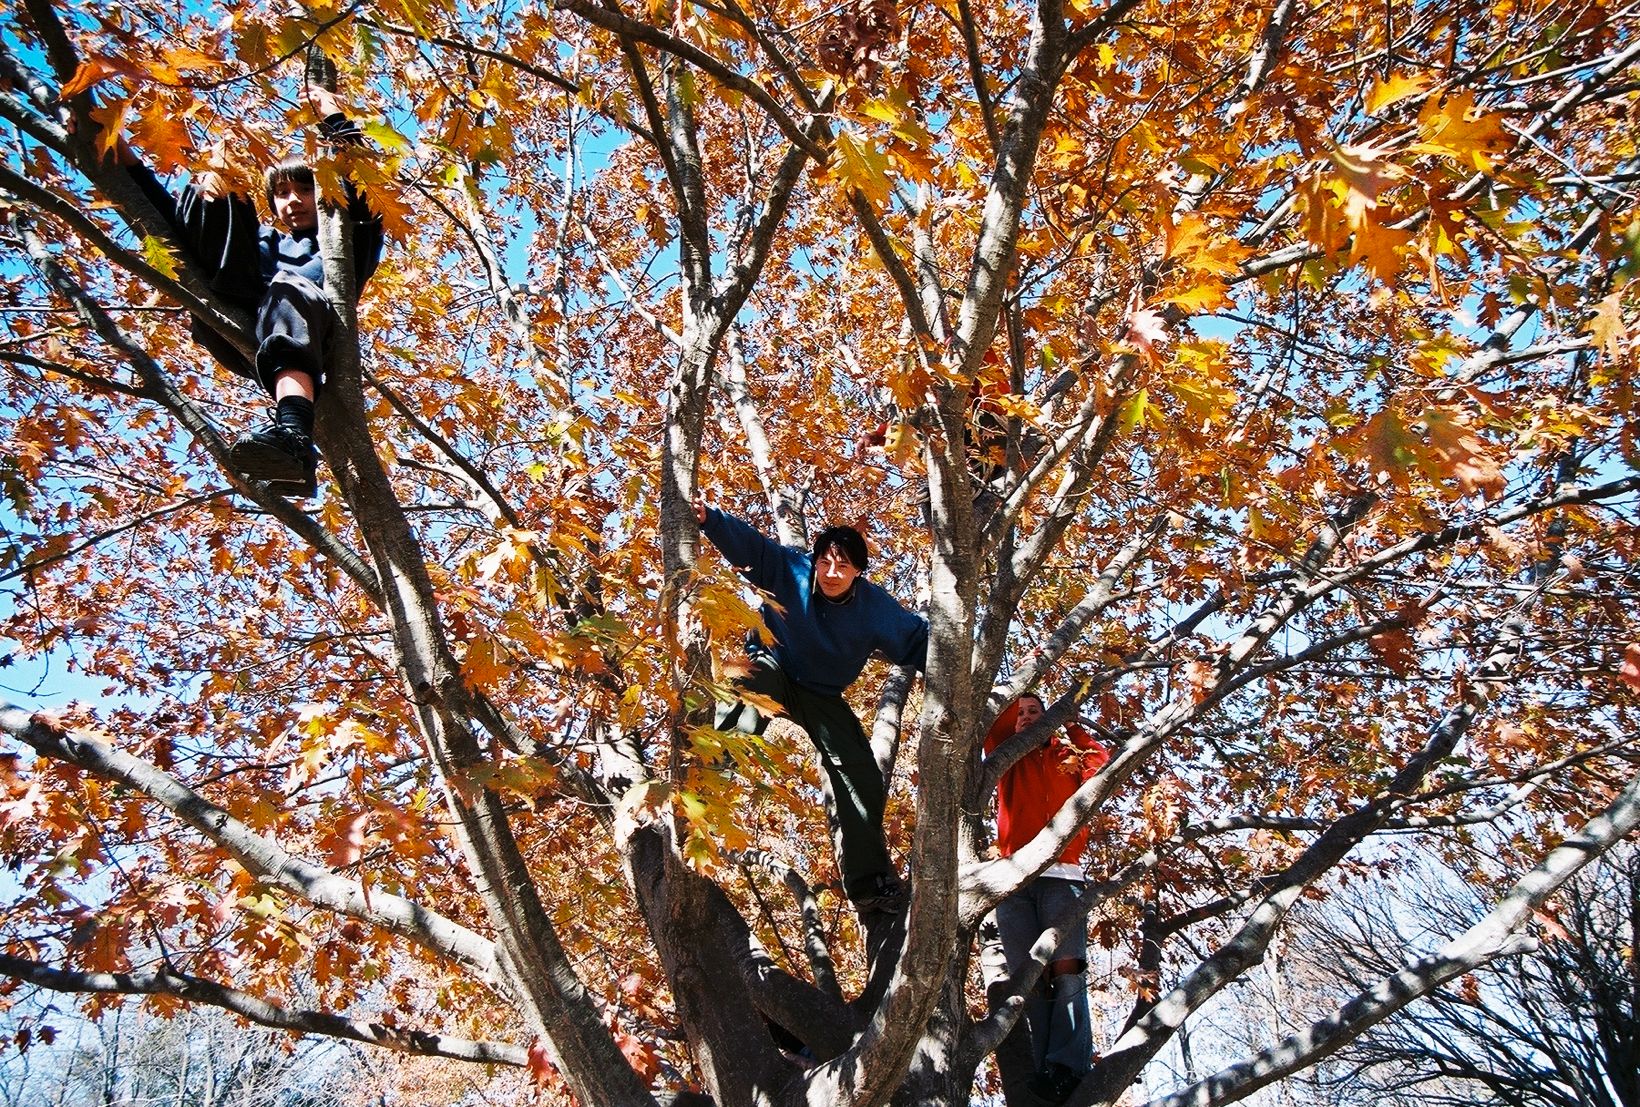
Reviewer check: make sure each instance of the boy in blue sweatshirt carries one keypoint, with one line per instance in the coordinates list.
(826, 621)
(277, 274)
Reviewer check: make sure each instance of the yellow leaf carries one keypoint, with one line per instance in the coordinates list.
(900, 114)
(1132, 413)
(1206, 401)
(316, 719)
(687, 90)
(157, 254)
(1399, 87)
(263, 906)
(1454, 127)
(1209, 295)
(1606, 325)
(861, 166)
(900, 442)
(385, 136)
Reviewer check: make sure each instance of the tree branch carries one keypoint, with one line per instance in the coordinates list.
(611, 19)
(1477, 945)
(788, 520)
(1147, 1033)
(33, 565)
(196, 989)
(262, 857)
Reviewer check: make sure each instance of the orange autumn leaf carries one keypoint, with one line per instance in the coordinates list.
(345, 843)
(861, 166)
(486, 662)
(1396, 648)
(1606, 325)
(163, 136)
(92, 71)
(1380, 249)
(1456, 450)
(1629, 670)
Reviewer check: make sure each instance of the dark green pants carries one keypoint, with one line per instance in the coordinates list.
(854, 787)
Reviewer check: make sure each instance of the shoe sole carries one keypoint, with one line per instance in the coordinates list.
(295, 490)
(283, 474)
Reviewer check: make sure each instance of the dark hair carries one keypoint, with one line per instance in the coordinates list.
(846, 541)
(294, 170)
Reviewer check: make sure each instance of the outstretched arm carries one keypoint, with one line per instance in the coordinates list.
(1094, 753)
(215, 228)
(761, 560)
(338, 130)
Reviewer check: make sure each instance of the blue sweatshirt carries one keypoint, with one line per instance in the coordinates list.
(820, 644)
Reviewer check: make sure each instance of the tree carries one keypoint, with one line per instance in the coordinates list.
(1267, 376)
(197, 1057)
(1553, 1029)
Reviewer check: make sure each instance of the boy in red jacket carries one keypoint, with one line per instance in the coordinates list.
(1031, 792)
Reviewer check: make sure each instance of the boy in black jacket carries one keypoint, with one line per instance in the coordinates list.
(277, 274)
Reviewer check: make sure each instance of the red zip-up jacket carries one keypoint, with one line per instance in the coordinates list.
(1040, 782)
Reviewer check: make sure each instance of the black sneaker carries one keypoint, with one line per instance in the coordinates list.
(281, 458)
(1055, 1083)
(885, 894)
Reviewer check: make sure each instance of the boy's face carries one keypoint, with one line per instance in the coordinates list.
(294, 206)
(835, 573)
(1030, 710)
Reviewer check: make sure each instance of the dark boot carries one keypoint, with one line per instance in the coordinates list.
(884, 892)
(281, 454)
(1055, 1082)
